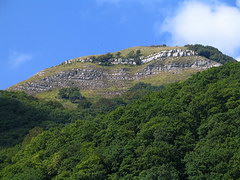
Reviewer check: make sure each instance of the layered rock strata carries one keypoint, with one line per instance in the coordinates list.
(130, 61)
(92, 77)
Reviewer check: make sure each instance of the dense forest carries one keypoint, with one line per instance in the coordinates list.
(21, 114)
(186, 130)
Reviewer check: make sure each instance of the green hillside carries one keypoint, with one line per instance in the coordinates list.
(20, 113)
(24, 115)
(115, 79)
(188, 130)
(145, 50)
(163, 79)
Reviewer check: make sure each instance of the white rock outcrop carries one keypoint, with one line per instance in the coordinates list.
(170, 53)
(144, 59)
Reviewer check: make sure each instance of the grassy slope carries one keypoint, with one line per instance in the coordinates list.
(145, 50)
(64, 67)
(93, 95)
(159, 79)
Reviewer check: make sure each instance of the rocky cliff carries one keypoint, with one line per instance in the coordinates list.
(144, 59)
(82, 73)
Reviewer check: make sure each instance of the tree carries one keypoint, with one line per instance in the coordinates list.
(72, 94)
(118, 55)
(103, 59)
(138, 53)
(135, 56)
(131, 54)
(84, 104)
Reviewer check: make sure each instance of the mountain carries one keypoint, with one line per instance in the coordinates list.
(187, 130)
(113, 74)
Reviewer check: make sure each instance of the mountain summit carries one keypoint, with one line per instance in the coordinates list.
(113, 73)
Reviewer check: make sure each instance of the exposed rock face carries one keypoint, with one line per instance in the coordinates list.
(130, 61)
(100, 78)
(170, 53)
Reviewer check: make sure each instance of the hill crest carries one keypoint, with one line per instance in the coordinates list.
(113, 73)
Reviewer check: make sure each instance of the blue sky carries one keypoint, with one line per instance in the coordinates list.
(39, 34)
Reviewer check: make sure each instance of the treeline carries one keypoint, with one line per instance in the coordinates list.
(211, 53)
(103, 105)
(188, 130)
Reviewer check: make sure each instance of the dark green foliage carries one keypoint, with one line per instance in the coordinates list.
(103, 59)
(84, 103)
(137, 59)
(104, 105)
(145, 86)
(188, 130)
(118, 55)
(136, 56)
(139, 90)
(163, 45)
(211, 53)
(73, 94)
(131, 54)
(19, 113)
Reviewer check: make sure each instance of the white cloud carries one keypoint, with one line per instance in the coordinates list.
(16, 59)
(213, 24)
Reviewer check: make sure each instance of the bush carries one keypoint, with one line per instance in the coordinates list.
(84, 104)
(136, 56)
(73, 94)
(103, 59)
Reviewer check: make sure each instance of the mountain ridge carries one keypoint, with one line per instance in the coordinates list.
(120, 70)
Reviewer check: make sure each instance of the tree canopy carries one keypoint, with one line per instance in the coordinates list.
(211, 53)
